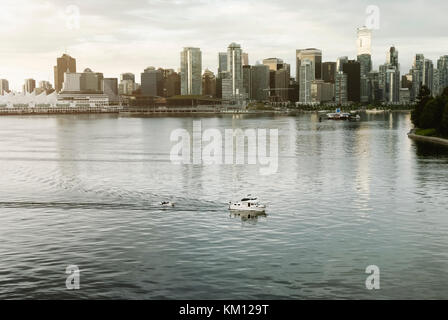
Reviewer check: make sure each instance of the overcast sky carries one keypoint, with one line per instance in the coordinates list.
(128, 35)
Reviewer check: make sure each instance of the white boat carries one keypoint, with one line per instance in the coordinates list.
(248, 203)
(166, 204)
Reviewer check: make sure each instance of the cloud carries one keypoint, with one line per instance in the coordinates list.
(120, 36)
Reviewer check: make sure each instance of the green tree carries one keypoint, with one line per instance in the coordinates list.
(444, 122)
(423, 97)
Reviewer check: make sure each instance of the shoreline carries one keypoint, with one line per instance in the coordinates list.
(436, 140)
(126, 111)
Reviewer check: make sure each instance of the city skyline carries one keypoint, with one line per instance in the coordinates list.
(104, 37)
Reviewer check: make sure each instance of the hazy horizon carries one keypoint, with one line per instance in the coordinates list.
(114, 37)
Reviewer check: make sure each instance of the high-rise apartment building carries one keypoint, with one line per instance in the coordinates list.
(4, 86)
(233, 82)
(191, 71)
(29, 86)
(306, 76)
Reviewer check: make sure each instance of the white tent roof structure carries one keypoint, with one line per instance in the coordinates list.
(28, 98)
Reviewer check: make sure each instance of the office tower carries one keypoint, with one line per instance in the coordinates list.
(109, 86)
(281, 81)
(340, 62)
(274, 64)
(353, 70)
(389, 82)
(405, 96)
(91, 81)
(340, 88)
(84, 82)
(247, 80)
(127, 84)
(329, 71)
(171, 82)
(4, 86)
(127, 76)
(392, 57)
(436, 83)
(321, 91)
(259, 82)
(235, 75)
(29, 86)
(364, 41)
(417, 72)
(306, 76)
(279, 78)
(63, 64)
(245, 59)
(222, 63)
(72, 82)
(375, 93)
(315, 56)
(208, 83)
(191, 71)
(442, 66)
(45, 85)
(428, 74)
(151, 82)
(365, 62)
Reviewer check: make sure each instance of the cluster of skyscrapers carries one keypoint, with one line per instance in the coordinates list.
(334, 82)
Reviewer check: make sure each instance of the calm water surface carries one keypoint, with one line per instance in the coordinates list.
(83, 190)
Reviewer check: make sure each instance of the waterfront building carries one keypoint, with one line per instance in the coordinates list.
(442, 66)
(259, 82)
(222, 63)
(127, 76)
(29, 86)
(235, 75)
(341, 88)
(63, 64)
(307, 73)
(208, 83)
(389, 82)
(340, 62)
(109, 87)
(375, 93)
(329, 72)
(191, 71)
(364, 41)
(428, 75)
(4, 86)
(245, 59)
(171, 82)
(353, 71)
(315, 56)
(279, 78)
(247, 80)
(151, 82)
(405, 96)
(321, 91)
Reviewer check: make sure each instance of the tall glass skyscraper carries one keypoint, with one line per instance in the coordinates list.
(315, 56)
(191, 71)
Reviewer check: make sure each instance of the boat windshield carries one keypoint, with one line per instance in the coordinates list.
(248, 199)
